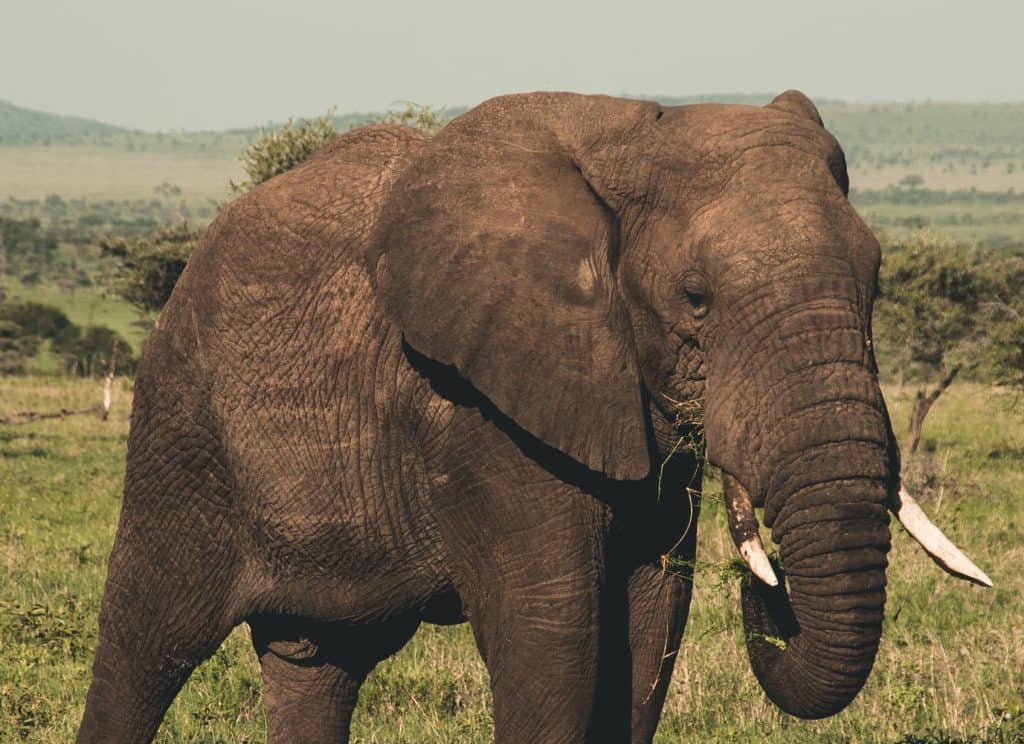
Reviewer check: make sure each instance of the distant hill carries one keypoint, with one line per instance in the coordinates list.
(21, 125)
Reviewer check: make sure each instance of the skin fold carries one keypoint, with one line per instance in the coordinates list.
(436, 380)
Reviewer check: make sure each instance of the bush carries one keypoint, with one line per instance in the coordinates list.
(424, 118)
(35, 319)
(150, 266)
(88, 351)
(279, 150)
(16, 348)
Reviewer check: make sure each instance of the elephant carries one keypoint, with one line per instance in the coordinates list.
(446, 379)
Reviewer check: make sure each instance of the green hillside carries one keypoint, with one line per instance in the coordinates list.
(21, 125)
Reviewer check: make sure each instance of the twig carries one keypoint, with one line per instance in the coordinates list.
(26, 417)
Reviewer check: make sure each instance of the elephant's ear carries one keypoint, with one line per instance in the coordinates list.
(796, 103)
(499, 259)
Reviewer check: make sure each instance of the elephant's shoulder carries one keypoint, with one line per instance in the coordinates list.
(309, 222)
(343, 184)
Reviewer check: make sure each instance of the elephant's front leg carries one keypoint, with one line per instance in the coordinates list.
(659, 601)
(659, 593)
(541, 650)
(535, 612)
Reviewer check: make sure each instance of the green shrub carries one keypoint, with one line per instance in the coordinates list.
(35, 319)
(16, 348)
(424, 118)
(279, 150)
(150, 266)
(88, 351)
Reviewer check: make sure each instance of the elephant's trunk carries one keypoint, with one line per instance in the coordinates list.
(813, 649)
(809, 439)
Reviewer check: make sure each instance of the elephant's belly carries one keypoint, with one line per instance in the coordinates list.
(344, 537)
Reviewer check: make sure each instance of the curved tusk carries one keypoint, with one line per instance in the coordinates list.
(938, 546)
(745, 531)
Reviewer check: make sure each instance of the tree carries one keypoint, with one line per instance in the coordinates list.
(911, 181)
(947, 310)
(27, 248)
(89, 351)
(150, 266)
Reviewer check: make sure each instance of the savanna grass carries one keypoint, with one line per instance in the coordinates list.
(949, 668)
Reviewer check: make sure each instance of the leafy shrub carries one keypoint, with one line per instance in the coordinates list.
(424, 118)
(33, 318)
(150, 266)
(279, 150)
(88, 351)
(16, 348)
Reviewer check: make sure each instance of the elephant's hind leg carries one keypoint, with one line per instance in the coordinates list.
(312, 673)
(171, 584)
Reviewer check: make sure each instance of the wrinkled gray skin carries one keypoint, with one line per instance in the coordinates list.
(432, 380)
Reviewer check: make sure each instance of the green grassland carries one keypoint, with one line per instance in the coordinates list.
(86, 307)
(949, 668)
(987, 218)
(88, 171)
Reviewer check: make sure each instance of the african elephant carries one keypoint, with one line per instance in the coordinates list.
(439, 380)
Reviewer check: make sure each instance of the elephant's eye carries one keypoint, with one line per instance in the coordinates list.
(697, 294)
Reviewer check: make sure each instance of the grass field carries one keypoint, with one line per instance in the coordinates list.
(951, 665)
(84, 307)
(84, 171)
(992, 222)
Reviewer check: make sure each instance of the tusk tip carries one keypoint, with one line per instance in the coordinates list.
(978, 577)
(752, 552)
(939, 547)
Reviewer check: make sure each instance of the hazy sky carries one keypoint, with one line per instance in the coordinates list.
(192, 64)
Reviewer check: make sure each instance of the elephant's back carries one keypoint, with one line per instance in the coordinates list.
(290, 248)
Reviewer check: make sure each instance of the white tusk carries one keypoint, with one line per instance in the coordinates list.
(938, 546)
(745, 531)
(753, 553)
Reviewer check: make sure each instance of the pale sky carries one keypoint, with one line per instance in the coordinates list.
(213, 64)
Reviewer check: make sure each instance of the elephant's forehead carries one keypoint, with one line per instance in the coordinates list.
(723, 129)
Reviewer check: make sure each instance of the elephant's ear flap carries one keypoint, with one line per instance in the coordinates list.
(796, 103)
(499, 259)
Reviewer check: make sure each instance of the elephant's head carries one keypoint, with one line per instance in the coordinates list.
(585, 261)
